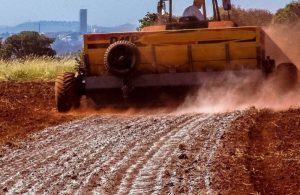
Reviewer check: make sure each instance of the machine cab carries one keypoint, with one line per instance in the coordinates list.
(190, 22)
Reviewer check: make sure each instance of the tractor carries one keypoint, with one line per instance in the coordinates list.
(170, 58)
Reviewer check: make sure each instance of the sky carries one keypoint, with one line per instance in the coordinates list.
(101, 12)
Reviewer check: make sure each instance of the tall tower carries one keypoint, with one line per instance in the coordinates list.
(83, 20)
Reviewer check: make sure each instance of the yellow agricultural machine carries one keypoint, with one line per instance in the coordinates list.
(136, 66)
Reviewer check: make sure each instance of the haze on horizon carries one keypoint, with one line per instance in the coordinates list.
(100, 12)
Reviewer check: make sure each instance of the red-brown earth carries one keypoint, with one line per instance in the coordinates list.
(239, 152)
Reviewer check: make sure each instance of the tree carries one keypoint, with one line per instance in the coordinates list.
(148, 20)
(26, 44)
(290, 14)
(3, 50)
(248, 17)
(153, 19)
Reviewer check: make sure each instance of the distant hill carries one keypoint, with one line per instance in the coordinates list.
(62, 26)
(42, 26)
(121, 28)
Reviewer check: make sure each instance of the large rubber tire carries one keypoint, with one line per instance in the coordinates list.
(121, 58)
(67, 95)
(286, 76)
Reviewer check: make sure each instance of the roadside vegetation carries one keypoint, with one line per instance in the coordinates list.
(28, 56)
(34, 69)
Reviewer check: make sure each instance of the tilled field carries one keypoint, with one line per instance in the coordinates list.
(241, 152)
(114, 155)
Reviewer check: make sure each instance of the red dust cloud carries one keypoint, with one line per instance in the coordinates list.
(238, 96)
(288, 40)
(229, 98)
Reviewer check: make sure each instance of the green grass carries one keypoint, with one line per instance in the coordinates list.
(38, 69)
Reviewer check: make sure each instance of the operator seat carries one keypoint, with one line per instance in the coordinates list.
(187, 22)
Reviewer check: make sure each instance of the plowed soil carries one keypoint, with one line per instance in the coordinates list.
(26, 108)
(241, 152)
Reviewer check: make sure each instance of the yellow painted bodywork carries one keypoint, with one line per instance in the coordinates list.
(194, 50)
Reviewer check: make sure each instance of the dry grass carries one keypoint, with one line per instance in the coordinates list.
(37, 69)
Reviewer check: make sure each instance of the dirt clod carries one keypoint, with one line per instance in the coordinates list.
(182, 147)
(183, 156)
